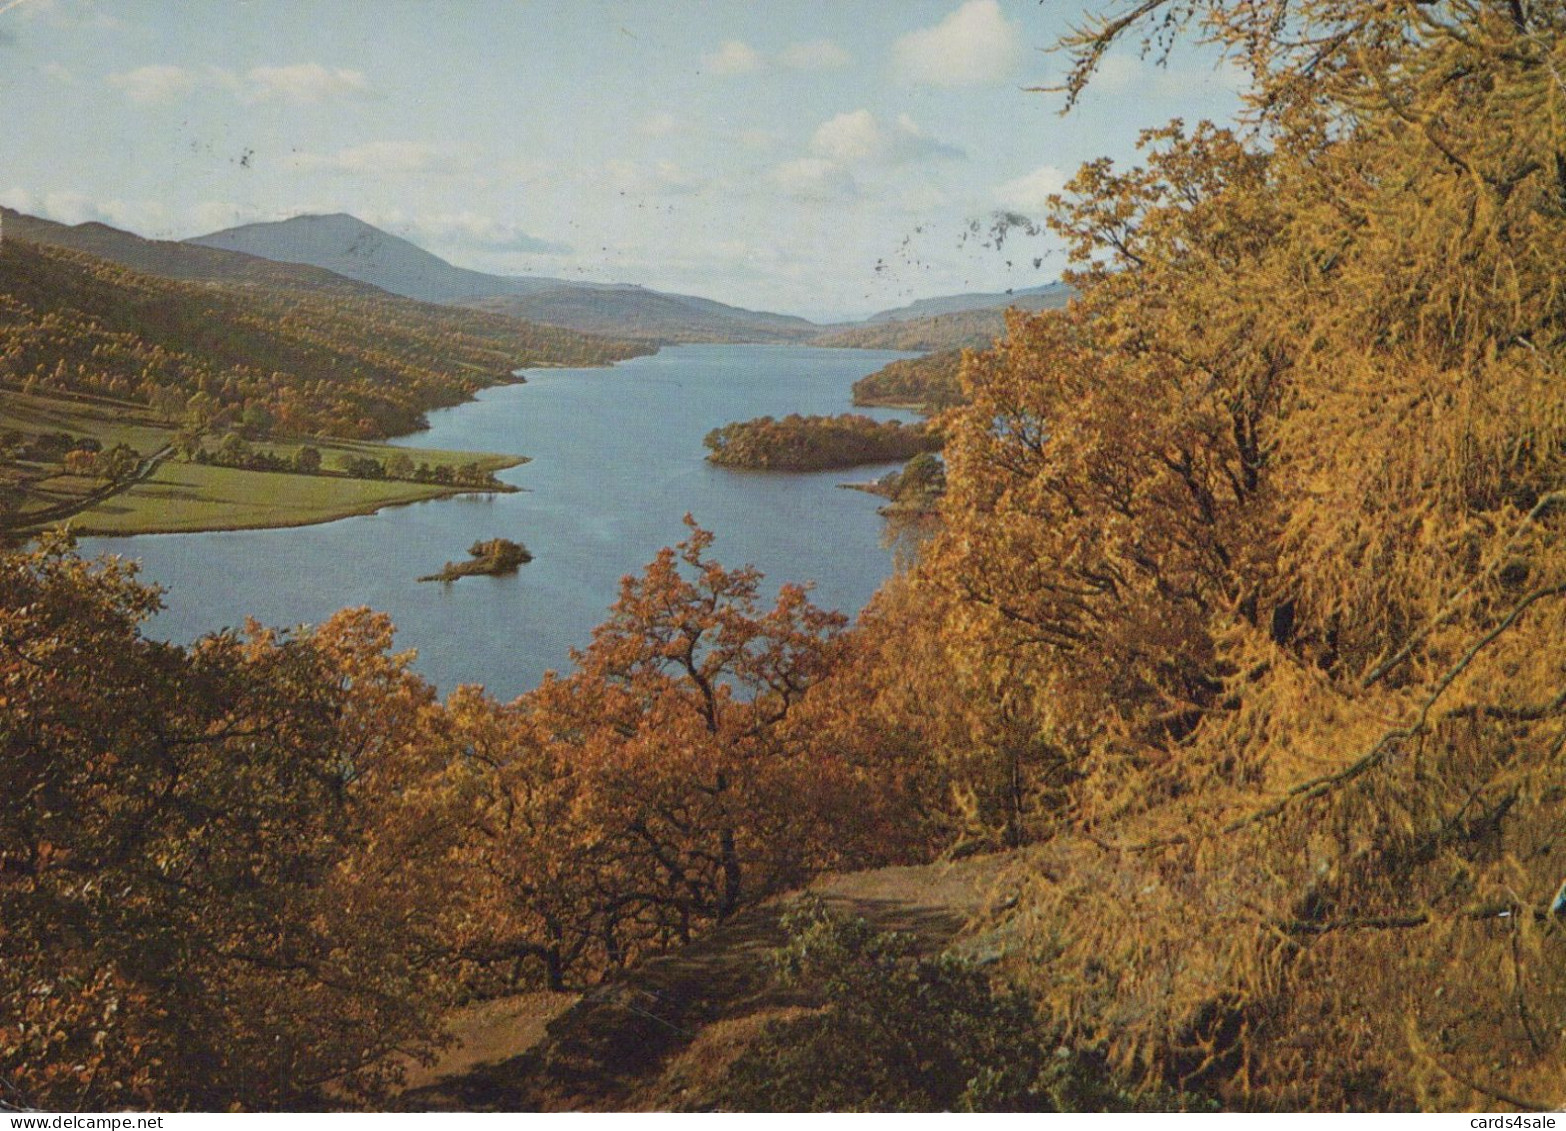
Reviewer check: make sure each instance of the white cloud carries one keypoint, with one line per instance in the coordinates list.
(733, 58)
(145, 217)
(379, 159)
(857, 138)
(59, 72)
(303, 83)
(157, 83)
(815, 179)
(1030, 192)
(816, 55)
(471, 231)
(84, 17)
(975, 44)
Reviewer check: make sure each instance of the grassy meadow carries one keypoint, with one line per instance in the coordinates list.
(189, 497)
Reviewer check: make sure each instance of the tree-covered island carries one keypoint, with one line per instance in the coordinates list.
(492, 557)
(817, 443)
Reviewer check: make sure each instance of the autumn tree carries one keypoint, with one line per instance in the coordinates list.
(661, 786)
(534, 893)
(1265, 530)
(200, 904)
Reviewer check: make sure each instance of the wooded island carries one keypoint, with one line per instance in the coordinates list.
(817, 443)
(491, 557)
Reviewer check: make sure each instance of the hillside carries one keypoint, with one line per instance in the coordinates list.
(1050, 296)
(173, 260)
(352, 248)
(946, 322)
(930, 382)
(661, 1036)
(340, 361)
(641, 313)
(349, 247)
(967, 329)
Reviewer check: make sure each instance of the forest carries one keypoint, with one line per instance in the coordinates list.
(352, 364)
(1239, 634)
(931, 383)
(817, 443)
(966, 328)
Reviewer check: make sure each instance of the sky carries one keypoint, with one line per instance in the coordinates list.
(826, 158)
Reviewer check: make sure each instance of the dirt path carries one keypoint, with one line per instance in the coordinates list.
(609, 1049)
(34, 520)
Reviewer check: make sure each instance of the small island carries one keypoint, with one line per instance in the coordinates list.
(817, 443)
(492, 557)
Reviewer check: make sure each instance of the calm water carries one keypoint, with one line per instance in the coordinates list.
(616, 463)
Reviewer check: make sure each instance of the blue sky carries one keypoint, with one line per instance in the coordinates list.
(818, 158)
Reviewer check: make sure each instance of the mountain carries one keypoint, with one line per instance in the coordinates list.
(350, 247)
(1047, 297)
(641, 313)
(358, 365)
(181, 261)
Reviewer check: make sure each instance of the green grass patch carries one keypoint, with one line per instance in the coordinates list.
(190, 497)
(185, 497)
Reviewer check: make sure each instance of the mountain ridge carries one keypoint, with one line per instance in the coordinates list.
(351, 247)
(1046, 297)
(178, 260)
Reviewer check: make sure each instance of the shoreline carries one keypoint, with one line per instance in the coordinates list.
(81, 523)
(355, 511)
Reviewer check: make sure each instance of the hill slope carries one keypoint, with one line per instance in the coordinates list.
(346, 361)
(173, 260)
(652, 1038)
(1047, 297)
(967, 329)
(947, 322)
(638, 312)
(350, 247)
(931, 382)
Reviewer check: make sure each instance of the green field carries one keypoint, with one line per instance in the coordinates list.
(189, 497)
(186, 497)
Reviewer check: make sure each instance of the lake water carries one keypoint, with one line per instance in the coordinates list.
(616, 462)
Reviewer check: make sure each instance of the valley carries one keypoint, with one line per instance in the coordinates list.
(206, 311)
(1168, 717)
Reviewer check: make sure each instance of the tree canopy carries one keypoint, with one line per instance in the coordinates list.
(1265, 534)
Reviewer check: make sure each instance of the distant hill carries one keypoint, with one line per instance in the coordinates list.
(965, 329)
(182, 261)
(339, 358)
(641, 313)
(350, 247)
(947, 322)
(1047, 297)
(347, 246)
